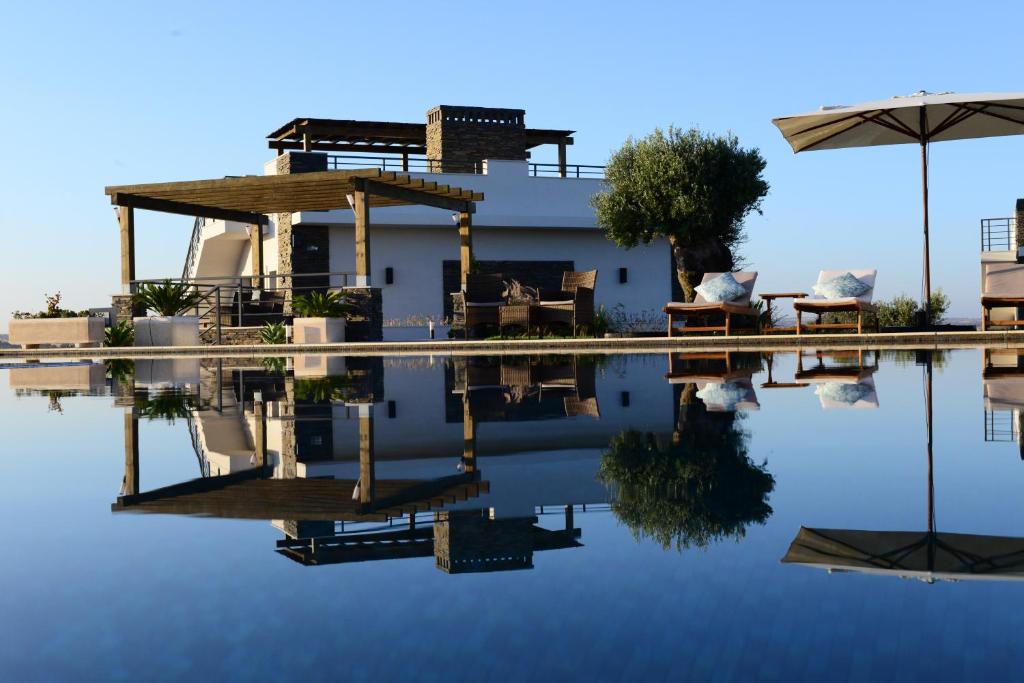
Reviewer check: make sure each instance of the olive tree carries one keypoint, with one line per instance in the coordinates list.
(691, 187)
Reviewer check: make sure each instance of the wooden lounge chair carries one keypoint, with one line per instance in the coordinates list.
(702, 308)
(1002, 286)
(573, 304)
(478, 303)
(819, 305)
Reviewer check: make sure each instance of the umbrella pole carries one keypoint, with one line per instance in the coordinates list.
(924, 196)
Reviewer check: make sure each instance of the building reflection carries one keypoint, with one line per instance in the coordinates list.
(1003, 391)
(372, 459)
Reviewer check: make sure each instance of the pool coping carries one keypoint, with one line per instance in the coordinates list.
(886, 340)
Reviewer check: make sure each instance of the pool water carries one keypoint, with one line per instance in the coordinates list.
(716, 516)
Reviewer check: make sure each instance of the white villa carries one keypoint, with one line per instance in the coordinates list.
(535, 222)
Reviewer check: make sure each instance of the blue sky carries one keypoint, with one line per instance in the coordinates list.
(103, 93)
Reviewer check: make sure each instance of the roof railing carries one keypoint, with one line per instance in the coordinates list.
(421, 164)
(999, 234)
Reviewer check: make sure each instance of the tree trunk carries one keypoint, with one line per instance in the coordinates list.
(692, 261)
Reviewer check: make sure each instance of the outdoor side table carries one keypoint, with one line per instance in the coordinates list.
(768, 298)
(515, 314)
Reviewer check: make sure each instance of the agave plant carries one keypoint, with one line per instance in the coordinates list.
(273, 333)
(121, 333)
(320, 305)
(166, 405)
(167, 298)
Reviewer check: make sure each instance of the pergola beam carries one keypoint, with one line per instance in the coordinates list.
(348, 146)
(423, 197)
(185, 209)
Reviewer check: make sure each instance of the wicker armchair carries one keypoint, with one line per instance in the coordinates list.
(478, 303)
(573, 305)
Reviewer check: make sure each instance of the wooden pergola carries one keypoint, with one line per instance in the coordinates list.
(250, 199)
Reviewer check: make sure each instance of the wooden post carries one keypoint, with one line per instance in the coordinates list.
(126, 221)
(468, 437)
(405, 162)
(361, 207)
(465, 245)
(131, 453)
(569, 524)
(307, 143)
(367, 480)
(563, 169)
(256, 248)
(260, 433)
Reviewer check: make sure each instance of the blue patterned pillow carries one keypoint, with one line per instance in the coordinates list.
(721, 288)
(724, 396)
(842, 287)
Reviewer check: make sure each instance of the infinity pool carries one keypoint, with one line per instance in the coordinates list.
(854, 516)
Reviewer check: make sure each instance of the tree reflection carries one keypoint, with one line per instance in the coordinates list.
(699, 489)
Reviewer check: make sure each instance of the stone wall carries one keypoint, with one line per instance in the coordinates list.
(123, 310)
(310, 254)
(366, 322)
(462, 137)
(468, 541)
(235, 336)
(1019, 216)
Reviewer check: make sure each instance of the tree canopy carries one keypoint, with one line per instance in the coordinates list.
(691, 187)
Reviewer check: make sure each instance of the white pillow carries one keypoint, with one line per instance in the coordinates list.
(842, 286)
(721, 288)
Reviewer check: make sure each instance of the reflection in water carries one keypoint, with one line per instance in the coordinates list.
(926, 555)
(272, 444)
(701, 486)
(1003, 387)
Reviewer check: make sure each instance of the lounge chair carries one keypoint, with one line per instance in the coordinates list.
(702, 308)
(846, 385)
(721, 386)
(573, 304)
(1002, 286)
(819, 305)
(478, 302)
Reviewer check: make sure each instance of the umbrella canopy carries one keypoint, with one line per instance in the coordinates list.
(920, 118)
(910, 554)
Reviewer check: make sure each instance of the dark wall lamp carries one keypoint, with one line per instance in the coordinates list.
(623, 275)
(389, 276)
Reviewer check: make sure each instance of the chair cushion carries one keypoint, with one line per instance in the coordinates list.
(841, 287)
(723, 395)
(475, 304)
(844, 393)
(720, 289)
(567, 302)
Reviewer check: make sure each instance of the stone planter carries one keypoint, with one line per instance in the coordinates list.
(167, 373)
(175, 330)
(78, 331)
(318, 330)
(85, 377)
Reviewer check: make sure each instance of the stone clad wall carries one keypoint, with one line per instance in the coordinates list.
(288, 163)
(462, 137)
(366, 323)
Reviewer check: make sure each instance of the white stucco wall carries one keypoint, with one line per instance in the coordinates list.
(416, 255)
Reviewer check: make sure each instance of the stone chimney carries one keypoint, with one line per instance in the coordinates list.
(1018, 225)
(460, 138)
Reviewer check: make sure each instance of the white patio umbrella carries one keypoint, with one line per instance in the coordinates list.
(920, 118)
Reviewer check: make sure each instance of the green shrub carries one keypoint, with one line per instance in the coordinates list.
(903, 311)
(320, 305)
(273, 333)
(119, 334)
(602, 321)
(53, 310)
(167, 298)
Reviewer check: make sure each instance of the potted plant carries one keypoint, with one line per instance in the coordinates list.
(168, 327)
(55, 325)
(320, 318)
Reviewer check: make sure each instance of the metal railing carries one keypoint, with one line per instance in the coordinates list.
(998, 234)
(193, 248)
(1000, 426)
(247, 300)
(422, 164)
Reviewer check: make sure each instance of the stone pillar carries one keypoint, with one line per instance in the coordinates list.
(123, 309)
(286, 164)
(366, 322)
(1018, 215)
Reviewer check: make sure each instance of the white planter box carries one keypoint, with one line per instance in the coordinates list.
(167, 373)
(177, 330)
(89, 377)
(318, 330)
(318, 365)
(79, 331)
